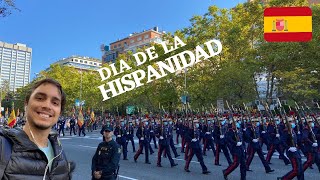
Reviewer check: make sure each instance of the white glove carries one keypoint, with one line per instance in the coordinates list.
(151, 131)
(263, 132)
(239, 143)
(177, 128)
(208, 133)
(315, 145)
(119, 136)
(221, 136)
(142, 139)
(161, 137)
(245, 129)
(194, 140)
(293, 149)
(277, 135)
(299, 132)
(127, 132)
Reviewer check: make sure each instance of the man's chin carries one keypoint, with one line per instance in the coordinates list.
(43, 126)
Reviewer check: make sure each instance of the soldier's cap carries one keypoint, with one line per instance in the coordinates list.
(255, 120)
(108, 129)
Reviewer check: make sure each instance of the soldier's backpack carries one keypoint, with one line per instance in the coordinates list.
(5, 154)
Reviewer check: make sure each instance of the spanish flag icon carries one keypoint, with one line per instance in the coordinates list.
(288, 24)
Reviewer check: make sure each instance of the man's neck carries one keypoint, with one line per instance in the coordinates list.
(39, 137)
(108, 139)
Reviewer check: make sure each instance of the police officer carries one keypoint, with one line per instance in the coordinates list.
(108, 125)
(105, 161)
(72, 125)
(195, 146)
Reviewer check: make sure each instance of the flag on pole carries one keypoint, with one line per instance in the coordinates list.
(18, 112)
(12, 119)
(80, 118)
(6, 113)
(287, 24)
(91, 118)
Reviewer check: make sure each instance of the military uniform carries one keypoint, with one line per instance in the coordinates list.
(106, 159)
(292, 153)
(72, 126)
(163, 133)
(121, 134)
(234, 140)
(253, 135)
(195, 148)
(143, 134)
(221, 142)
(130, 136)
(208, 139)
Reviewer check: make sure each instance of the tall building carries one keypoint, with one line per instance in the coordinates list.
(130, 43)
(15, 64)
(81, 63)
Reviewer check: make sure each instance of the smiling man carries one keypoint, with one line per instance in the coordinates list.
(36, 151)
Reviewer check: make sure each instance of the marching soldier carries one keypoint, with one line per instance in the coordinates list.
(289, 136)
(178, 130)
(121, 134)
(221, 128)
(208, 138)
(195, 147)
(72, 125)
(153, 129)
(174, 149)
(61, 124)
(235, 139)
(163, 133)
(143, 134)
(130, 135)
(275, 141)
(253, 134)
(310, 144)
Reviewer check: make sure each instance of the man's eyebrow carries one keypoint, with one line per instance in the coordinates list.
(44, 94)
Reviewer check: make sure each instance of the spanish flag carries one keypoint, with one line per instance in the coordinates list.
(12, 119)
(91, 118)
(287, 24)
(80, 118)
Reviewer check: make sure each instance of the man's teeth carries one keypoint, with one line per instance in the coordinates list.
(44, 115)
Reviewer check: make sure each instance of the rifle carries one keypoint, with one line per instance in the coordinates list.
(313, 116)
(314, 139)
(272, 118)
(283, 114)
(233, 122)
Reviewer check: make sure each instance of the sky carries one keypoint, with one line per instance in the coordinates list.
(62, 28)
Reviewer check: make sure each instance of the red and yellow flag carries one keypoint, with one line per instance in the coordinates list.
(80, 118)
(12, 119)
(92, 119)
(287, 24)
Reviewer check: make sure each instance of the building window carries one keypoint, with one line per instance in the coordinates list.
(85, 62)
(95, 63)
(132, 41)
(146, 36)
(81, 61)
(139, 38)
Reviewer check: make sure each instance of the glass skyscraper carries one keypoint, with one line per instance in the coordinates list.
(15, 64)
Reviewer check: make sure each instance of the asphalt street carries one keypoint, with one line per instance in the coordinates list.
(81, 150)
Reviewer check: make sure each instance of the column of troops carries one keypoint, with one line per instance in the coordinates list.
(238, 135)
